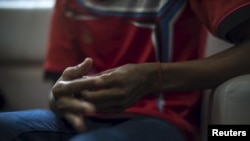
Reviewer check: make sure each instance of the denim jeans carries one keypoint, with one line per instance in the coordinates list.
(43, 125)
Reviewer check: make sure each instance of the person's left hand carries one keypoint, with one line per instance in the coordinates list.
(116, 89)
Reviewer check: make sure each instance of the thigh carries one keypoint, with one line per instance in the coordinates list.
(137, 129)
(33, 125)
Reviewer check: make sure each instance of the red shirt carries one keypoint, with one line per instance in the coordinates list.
(116, 33)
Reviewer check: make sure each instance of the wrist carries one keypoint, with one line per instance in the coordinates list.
(159, 76)
(152, 77)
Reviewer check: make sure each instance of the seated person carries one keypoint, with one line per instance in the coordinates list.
(143, 69)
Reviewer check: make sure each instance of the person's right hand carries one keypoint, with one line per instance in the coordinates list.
(64, 101)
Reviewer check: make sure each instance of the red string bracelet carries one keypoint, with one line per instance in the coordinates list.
(159, 76)
(160, 101)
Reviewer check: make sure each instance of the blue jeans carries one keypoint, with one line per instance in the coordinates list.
(43, 125)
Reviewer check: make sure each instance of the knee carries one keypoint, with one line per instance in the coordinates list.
(106, 134)
(9, 125)
(14, 123)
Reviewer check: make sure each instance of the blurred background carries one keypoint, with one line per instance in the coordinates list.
(24, 26)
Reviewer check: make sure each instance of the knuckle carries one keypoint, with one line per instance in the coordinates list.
(85, 94)
(57, 89)
(67, 71)
(61, 103)
(55, 92)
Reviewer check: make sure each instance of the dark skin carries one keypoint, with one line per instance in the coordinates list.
(116, 89)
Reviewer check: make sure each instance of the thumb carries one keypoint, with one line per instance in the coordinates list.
(78, 70)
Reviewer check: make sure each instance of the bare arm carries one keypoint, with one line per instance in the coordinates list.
(209, 72)
(214, 70)
(116, 89)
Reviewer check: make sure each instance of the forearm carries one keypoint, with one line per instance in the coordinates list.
(208, 72)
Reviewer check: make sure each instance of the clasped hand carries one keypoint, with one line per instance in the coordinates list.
(114, 90)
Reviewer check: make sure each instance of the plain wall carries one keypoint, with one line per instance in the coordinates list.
(23, 41)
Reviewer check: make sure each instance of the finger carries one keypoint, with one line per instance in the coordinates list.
(103, 95)
(74, 105)
(105, 72)
(66, 88)
(75, 120)
(109, 105)
(110, 78)
(77, 71)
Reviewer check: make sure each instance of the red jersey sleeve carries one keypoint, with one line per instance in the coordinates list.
(62, 50)
(221, 16)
